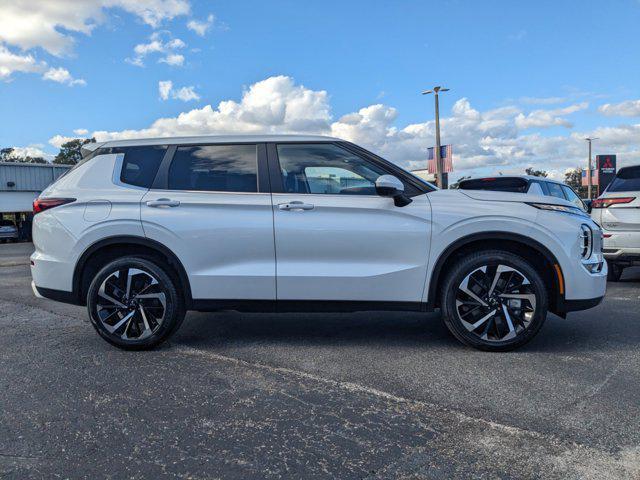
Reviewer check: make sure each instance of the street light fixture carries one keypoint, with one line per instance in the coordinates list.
(439, 176)
(589, 179)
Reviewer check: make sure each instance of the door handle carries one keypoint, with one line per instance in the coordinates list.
(295, 206)
(163, 202)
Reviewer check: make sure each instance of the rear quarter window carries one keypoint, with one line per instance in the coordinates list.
(518, 185)
(140, 164)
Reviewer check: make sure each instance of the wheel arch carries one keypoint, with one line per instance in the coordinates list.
(543, 260)
(121, 245)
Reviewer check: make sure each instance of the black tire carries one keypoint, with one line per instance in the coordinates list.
(151, 322)
(615, 272)
(511, 326)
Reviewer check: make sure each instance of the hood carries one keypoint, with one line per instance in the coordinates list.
(493, 196)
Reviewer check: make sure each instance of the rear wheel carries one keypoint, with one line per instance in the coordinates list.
(134, 304)
(494, 300)
(615, 272)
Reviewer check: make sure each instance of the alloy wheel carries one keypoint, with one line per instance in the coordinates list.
(496, 302)
(131, 304)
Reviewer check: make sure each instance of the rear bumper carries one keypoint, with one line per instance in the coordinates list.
(56, 295)
(11, 235)
(622, 255)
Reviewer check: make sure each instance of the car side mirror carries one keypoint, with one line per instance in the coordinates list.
(587, 205)
(390, 186)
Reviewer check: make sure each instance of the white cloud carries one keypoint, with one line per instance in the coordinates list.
(62, 75)
(186, 94)
(27, 63)
(549, 118)
(58, 140)
(81, 131)
(629, 108)
(199, 27)
(542, 100)
(164, 89)
(50, 24)
(173, 59)
(11, 62)
(483, 142)
(157, 45)
(31, 151)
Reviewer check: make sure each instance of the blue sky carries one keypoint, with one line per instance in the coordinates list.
(502, 59)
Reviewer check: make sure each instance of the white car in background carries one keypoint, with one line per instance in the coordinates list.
(142, 230)
(524, 184)
(617, 211)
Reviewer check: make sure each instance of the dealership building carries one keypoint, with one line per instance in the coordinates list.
(20, 184)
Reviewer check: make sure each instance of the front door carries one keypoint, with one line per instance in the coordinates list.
(210, 211)
(335, 238)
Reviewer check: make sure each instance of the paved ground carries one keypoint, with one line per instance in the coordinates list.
(368, 395)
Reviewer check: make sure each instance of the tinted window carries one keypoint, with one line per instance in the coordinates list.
(326, 168)
(627, 180)
(572, 197)
(508, 184)
(7, 223)
(140, 164)
(535, 189)
(555, 190)
(217, 168)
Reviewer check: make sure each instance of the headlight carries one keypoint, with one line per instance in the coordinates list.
(586, 241)
(558, 208)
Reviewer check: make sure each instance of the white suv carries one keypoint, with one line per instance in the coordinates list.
(141, 231)
(617, 210)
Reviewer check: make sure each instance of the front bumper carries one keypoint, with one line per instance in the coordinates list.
(567, 306)
(9, 235)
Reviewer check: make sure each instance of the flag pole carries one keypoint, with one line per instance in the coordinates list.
(439, 170)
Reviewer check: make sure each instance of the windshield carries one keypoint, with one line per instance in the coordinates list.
(627, 180)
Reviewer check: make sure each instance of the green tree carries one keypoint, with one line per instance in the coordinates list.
(573, 178)
(8, 155)
(5, 154)
(70, 151)
(536, 173)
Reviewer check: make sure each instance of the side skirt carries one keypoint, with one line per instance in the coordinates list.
(305, 306)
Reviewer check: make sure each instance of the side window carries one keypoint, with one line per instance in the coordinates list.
(215, 168)
(140, 164)
(572, 197)
(535, 189)
(555, 190)
(326, 168)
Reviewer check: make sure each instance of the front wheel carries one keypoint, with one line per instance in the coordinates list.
(494, 300)
(134, 303)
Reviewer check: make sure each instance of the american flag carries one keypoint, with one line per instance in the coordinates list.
(446, 155)
(585, 178)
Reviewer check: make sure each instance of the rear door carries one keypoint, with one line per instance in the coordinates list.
(335, 238)
(212, 208)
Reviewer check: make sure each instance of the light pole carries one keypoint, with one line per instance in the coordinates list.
(589, 179)
(435, 91)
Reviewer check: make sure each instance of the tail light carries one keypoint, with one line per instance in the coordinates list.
(42, 204)
(607, 202)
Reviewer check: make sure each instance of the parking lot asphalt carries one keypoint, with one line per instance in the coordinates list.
(365, 395)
